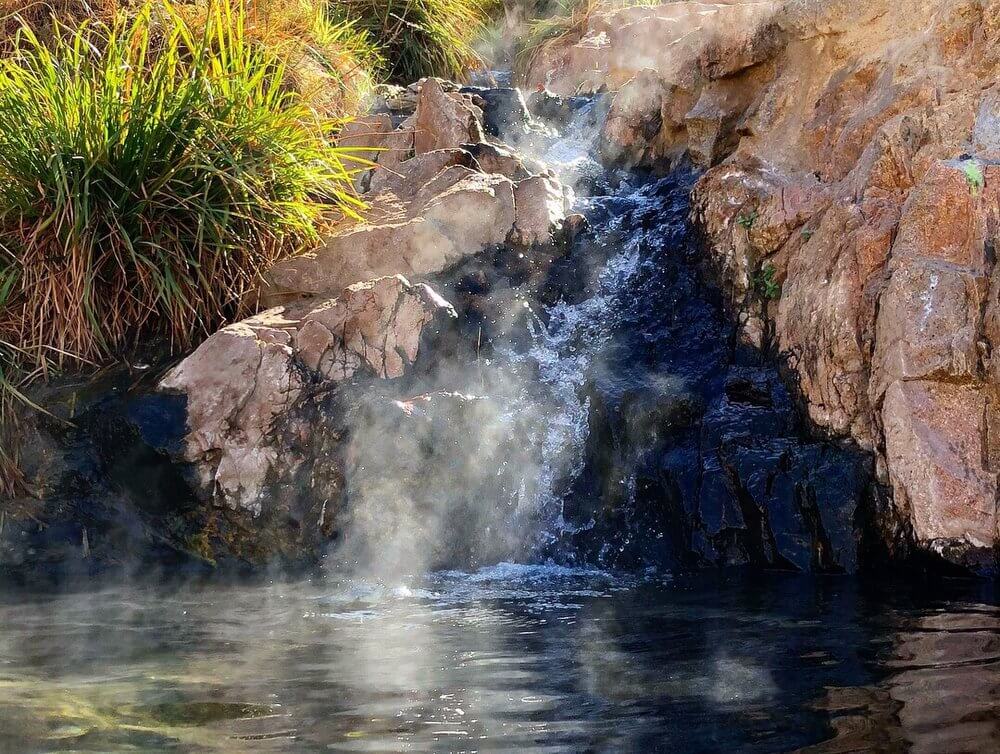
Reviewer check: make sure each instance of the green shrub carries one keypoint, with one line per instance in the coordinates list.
(419, 37)
(142, 191)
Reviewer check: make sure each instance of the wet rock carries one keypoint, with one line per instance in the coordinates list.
(505, 112)
(539, 210)
(106, 495)
(554, 109)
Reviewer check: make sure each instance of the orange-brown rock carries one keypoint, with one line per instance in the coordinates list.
(933, 438)
(853, 218)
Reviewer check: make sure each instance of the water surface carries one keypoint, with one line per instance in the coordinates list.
(511, 658)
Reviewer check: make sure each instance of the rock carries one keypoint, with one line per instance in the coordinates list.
(935, 436)
(646, 121)
(726, 53)
(855, 177)
(368, 135)
(505, 112)
(715, 121)
(244, 383)
(444, 120)
(456, 214)
(405, 180)
(929, 325)
(494, 159)
(552, 108)
(540, 209)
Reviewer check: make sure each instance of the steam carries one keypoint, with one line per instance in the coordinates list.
(466, 467)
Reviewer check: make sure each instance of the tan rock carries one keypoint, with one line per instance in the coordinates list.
(492, 158)
(457, 213)
(407, 178)
(539, 208)
(367, 135)
(444, 120)
(244, 383)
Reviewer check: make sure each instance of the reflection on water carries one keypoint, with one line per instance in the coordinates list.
(515, 658)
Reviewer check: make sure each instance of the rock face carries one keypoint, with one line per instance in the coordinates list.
(441, 191)
(245, 385)
(851, 215)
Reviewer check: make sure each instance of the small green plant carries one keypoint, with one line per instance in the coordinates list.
(807, 234)
(765, 284)
(747, 220)
(973, 176)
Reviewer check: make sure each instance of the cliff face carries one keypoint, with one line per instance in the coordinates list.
(850, 206)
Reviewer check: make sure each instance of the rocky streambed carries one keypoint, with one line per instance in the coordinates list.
(736, 311)
(554, 378)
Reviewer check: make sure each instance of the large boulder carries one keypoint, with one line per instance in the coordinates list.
(439, 192)
(246, 384)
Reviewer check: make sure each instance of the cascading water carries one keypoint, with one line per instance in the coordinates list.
(607, 422)
(619, 422)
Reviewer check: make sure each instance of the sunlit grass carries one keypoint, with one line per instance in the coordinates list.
(150, 170)
(333, 63)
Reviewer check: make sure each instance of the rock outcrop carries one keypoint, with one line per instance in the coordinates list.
(851, 214)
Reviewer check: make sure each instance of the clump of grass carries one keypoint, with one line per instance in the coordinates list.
(746, 220)
(142, 190)
(419, 37)
(333, 64)
(38, 16)
(11, 479)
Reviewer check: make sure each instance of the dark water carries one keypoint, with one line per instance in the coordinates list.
(513, 658)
